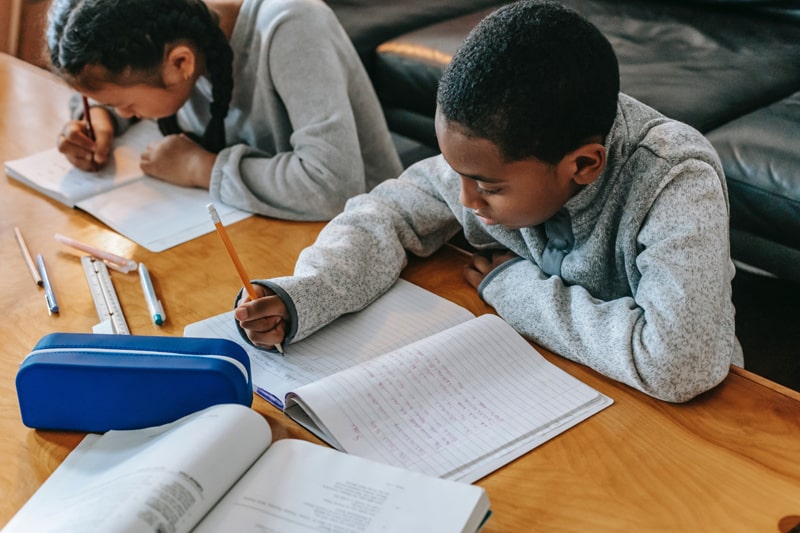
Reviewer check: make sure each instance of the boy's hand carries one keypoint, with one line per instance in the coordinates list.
(84, 153)
(264, 319)
(179, 160)
(482, 265)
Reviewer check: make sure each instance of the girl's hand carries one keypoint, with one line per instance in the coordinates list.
(265, 319)
(179, 160)
(84, 153)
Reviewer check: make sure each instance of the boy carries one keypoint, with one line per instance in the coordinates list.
(603, 225)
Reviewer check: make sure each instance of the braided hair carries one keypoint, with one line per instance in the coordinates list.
(130, 37)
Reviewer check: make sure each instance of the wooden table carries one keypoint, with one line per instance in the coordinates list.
(727, 461)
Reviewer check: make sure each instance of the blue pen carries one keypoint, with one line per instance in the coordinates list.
(153, 303)
(49, 295)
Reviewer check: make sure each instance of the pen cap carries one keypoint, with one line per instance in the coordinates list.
(153, 303)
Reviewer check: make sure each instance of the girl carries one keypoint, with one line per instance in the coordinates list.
(265, 103)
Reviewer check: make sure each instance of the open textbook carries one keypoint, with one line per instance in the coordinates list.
(218, 470)
(151, 212)
(418, 382)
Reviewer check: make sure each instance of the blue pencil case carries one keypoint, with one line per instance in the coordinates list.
(96, 382)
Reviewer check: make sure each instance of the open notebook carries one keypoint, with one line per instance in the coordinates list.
(416, 381)
(151, 212)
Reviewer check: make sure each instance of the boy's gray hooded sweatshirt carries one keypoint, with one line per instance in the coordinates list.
(642, 287)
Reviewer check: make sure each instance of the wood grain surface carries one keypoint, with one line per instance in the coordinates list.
(727, 461)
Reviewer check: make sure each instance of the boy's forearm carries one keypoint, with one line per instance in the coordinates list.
(620, 338)
(360, 254)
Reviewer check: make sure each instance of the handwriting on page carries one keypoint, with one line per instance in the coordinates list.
(51, 172)
(435, 408)
(404, 314)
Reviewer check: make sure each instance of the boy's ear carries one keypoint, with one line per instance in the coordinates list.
(180, 64)
(586, 162)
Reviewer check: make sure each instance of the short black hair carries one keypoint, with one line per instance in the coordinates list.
(535, 78)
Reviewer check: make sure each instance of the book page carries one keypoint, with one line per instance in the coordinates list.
(404, 314)
(164, 478)
(297, 487)
(50, 172)
(455, 405)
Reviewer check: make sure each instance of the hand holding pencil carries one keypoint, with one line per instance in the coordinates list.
(87, 117)
(87, 142)
(271, 324)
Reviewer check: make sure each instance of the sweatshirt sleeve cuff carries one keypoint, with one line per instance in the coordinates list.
(288, 302)
(494, 274)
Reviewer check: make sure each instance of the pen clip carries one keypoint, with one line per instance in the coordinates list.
(49, 294)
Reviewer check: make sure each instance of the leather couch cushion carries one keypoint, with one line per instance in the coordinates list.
(407, 71)
(761, 155)
(788, 9)
(719, 65)
(371, 22)
(703, 65)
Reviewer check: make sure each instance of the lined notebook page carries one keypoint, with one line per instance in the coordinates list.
(404, 314)
(156, 214)
(456, 405)
(50, 173)
(153, 213)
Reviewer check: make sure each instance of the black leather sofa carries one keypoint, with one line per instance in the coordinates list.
(730, 68)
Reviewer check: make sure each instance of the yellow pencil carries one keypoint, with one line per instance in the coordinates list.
(234, 257)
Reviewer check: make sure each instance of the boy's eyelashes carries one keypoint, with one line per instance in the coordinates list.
(480, 183)
(481, 187)
(487, 192)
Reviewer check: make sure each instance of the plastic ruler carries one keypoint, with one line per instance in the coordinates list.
(105, 297)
